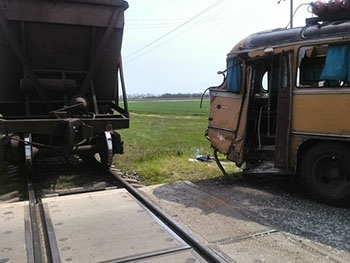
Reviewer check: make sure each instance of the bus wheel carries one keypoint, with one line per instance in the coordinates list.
(325, 172)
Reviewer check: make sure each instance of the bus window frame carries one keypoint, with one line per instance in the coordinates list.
(304, 83)
(320, 83)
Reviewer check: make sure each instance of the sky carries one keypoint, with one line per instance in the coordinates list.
(178, 46)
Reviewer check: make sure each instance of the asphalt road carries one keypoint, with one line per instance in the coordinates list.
(257, 219)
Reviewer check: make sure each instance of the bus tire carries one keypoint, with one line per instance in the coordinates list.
(325, 173)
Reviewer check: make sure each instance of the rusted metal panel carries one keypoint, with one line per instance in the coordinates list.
(92, 13)
(224, 118)
(221, 139)
(227, 123)
(224, 110)
(59, 40)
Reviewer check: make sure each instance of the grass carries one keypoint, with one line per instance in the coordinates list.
(170, 107)
(162, 139)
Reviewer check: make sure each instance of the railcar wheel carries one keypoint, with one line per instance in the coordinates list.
(106, 145)
(112, 144)
(14, 149)
(325, 172)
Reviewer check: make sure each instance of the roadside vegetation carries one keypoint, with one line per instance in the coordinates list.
(163, 139)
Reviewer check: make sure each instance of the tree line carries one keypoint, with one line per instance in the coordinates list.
(167, 96)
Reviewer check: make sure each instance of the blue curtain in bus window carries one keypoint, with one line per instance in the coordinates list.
(233, 75)
(337, 63)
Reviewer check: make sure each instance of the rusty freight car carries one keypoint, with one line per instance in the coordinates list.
(61, 80)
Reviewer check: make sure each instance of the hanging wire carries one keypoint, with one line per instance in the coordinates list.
(175, 29)
(296, 10)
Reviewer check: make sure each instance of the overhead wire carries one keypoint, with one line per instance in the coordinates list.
(176, 28)
(138, 53)
(203, 20)
(167, 22)
(153, 23)
(296, 10)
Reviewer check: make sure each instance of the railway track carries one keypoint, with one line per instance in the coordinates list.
(111, 224)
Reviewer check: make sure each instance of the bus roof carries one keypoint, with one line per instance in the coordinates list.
(314, 30)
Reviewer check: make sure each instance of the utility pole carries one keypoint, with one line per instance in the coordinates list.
(291, 13)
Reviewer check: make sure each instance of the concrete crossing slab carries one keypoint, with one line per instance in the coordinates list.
(15, 233)
(108, 226)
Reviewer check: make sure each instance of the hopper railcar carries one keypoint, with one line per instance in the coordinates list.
(62, 89)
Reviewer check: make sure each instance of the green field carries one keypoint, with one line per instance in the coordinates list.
(162, 139)
(170, 107)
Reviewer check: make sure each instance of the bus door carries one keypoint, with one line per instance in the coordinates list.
(228, 110)
(268, 115)
(283, 112)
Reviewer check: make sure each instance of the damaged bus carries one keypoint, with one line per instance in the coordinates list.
(284, 106)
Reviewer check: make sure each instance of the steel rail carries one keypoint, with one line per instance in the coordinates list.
(40, 253)
(40, 242)
(203, 250)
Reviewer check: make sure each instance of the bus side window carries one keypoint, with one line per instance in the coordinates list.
(324, 66)
(311, 63)
(310, 70)
(336, 68)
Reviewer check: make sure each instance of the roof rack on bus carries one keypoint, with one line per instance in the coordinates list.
(334, 10)
(328, 18)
